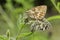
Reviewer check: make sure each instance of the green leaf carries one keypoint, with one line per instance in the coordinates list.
(56, 6)
(53, 17)
(3, 38)
(55, 21)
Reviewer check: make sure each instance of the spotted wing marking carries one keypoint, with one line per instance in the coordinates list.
(37, 12)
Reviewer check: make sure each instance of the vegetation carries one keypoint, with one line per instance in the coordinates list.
(12, 25)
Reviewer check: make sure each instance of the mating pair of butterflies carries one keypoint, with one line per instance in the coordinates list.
(35, 17)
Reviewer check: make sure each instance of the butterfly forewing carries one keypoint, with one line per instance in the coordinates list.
(37, 12)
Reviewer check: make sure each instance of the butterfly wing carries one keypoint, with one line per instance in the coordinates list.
(37, 12)
(41, 25)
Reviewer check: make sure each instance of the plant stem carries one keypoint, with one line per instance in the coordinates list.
(6, 18)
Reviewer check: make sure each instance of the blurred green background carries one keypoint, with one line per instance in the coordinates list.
(12, 25)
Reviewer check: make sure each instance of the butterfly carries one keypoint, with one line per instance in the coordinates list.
(36, 18)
